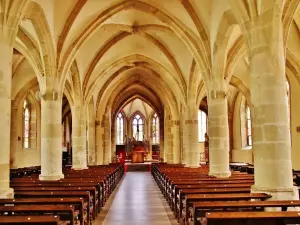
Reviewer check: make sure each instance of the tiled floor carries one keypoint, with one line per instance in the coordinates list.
(137, 201)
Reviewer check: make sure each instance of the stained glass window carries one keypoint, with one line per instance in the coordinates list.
(202, 125)
(248, 125)
(155, 129)
(26, 117)
(120, 129)
(138, 128)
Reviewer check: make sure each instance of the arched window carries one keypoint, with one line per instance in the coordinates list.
(248, 125)
(120, 129)
(155, 129)
(202, 125)
(138, 128)
(26, 124)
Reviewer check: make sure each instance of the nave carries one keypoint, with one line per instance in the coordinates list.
(136, 201)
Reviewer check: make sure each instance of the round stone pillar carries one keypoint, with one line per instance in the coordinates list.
(176, 141)
(92, 157)
(99, 143)
(5, 121)
(79, 152)
(190, 138)
(218, 136)
(107, 139)
(269, 104)
(51, 143)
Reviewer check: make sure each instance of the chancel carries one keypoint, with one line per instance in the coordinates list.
(135, 112)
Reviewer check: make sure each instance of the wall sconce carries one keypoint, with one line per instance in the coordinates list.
(19, 138)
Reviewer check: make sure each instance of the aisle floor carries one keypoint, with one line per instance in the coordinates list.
(136, 201)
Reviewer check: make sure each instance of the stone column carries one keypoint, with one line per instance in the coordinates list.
(269, 104)
(106, 137)
(99, 143)
(92, 158)
(14, 140)
(51, 144)
(168, 139)
(176, 141)
(161, 137)
(218, 133)
(190, 137)
(79, 153)
(5, 115)
(113, 139)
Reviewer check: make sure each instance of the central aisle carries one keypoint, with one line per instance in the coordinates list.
(138, 201)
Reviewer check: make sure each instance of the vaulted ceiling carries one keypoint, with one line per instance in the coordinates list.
(161, 51)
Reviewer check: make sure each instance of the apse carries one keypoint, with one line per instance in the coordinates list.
(137, 133)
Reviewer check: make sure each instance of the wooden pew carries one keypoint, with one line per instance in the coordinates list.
(190, 199)
(252, 218)
(183, 192)
(93, 185)
(101, 194)
(31, 220)
(80, 209)
(66, 212)
(200, 209)
(59, 194)
(177, 188)
(92, 191)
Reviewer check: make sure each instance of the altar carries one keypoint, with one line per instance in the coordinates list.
(139, 152)
(137, 157)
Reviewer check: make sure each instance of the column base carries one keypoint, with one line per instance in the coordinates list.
(7, 194)
(51, 177)
(106, 163)
(79, 167)
(220, 174)
(278, 193)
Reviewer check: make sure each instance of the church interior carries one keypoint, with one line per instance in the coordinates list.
(130, 112)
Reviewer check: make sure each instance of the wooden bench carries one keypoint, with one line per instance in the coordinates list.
(59, 194)
(92, 186)
(252, 218)
(66, 212)
(101, 195)
(92, 191)
(80, 209)
(183, 192)
(31, 220)
(177, 188)
(190, 199)
(200, 209)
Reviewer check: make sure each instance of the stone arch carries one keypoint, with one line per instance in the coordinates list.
(19, 156)
(224, 32)
(32, 48)
(35, 13)
(75, 83)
